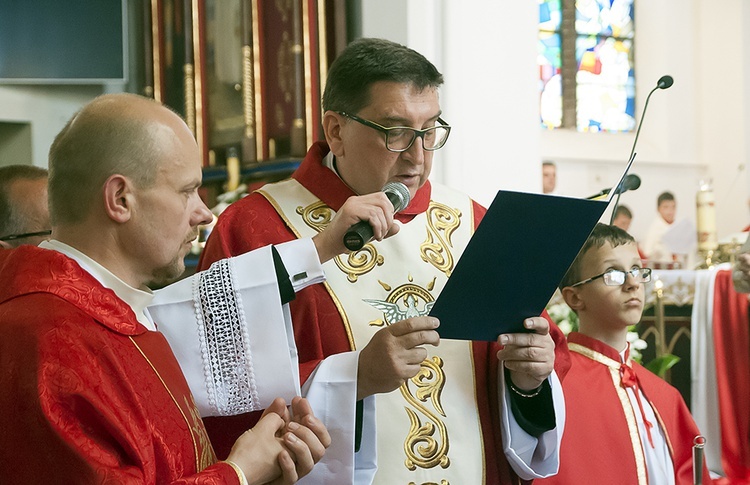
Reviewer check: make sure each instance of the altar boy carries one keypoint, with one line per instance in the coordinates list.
(624, 425)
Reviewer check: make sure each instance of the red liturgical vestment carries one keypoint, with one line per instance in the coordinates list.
(319, 313)
(89, 395)
(601, 442)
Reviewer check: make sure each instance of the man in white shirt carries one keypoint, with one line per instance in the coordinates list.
(653, 246)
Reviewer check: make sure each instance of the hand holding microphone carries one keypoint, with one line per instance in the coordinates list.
(358, 235)
(360, 219)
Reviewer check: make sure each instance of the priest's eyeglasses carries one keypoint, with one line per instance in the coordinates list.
(401, 138)
(13, 237)
(616, 277)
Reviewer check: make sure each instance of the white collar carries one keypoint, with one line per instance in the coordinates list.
(137, 299)
(623, 353)
(329, 161)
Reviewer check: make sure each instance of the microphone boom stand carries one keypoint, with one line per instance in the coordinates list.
(664, 82)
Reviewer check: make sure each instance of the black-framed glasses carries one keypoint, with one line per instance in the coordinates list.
(401, 138)
(616, 277)
(13, 237)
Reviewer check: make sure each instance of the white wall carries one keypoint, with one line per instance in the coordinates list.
(694, 130)
(46, 109)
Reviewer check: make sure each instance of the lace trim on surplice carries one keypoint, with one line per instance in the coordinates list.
(225, 344)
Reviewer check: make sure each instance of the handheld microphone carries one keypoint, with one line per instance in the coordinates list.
(664, 82)
(361, 232)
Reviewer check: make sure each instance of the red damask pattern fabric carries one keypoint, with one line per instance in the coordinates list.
(252, 222)
(89, 395)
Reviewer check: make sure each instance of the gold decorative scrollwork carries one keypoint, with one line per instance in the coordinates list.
(442, 221)
(426, 445)
(317, 215)
(357, 263)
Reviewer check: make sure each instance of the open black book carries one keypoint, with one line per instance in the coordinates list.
(513, 263)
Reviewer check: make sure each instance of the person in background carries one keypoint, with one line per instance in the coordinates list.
(549, 177)
(24, 218)
(87, 379)
(653, 246)
(635, 427)
(623, 218)
(463, 412)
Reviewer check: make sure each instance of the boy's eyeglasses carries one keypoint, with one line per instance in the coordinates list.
(616, 277)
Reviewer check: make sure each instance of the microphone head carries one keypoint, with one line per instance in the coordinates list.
(631, 182)
(665, 82)
(398, 194)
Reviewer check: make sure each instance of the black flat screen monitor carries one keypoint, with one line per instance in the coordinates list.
(63, 41)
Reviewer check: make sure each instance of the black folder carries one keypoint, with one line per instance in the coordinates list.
(513, 263)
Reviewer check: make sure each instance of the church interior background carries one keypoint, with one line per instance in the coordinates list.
(495, 65)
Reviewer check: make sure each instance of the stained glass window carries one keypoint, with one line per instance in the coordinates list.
(549, 60)
(604, 90)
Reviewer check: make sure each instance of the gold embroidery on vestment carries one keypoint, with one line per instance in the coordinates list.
(316, 215)
(627, 407)
(442, 221)
(426, 445)
(207, 457)
(410, 297)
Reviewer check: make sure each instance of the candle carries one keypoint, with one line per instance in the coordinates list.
(706, 215)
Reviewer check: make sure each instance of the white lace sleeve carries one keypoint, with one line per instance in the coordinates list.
(231, 335)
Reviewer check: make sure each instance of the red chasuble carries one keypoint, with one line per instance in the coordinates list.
(88, 394)
(252, 222)
(597, 441)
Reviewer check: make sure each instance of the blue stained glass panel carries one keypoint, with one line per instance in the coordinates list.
(605, 17)
(549, 61)
(550, 82)
(605, 84)
(550, 15)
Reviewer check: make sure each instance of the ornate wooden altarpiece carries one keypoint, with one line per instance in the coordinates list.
(247, 76)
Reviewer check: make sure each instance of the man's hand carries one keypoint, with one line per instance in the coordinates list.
(530, 357)
(394, 354)
(281, 449)
(374, 208)
(258, 450)
(306, 439)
